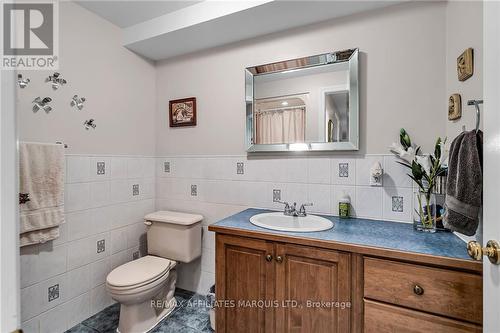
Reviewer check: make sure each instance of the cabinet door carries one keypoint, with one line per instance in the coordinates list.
(319, 281)
(244, 276)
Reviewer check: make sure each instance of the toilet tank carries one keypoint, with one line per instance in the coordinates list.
(174, 235)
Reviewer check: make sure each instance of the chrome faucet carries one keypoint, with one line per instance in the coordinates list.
(291, 210)
(302, 209)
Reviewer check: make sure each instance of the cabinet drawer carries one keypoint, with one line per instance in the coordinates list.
(440, 291)
(387, 318)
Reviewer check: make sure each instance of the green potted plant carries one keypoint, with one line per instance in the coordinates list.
(425, 169)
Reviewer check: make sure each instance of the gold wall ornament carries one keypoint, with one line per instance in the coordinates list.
(465, 64)
(454, 107)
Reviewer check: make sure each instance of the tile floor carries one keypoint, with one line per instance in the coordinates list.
(190, 316)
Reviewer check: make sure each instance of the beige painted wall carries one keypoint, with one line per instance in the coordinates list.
(119, 87)
(402, 79)
(464, 28)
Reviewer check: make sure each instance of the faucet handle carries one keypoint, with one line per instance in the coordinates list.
(302, 210)
(283, 202)
(288, 209)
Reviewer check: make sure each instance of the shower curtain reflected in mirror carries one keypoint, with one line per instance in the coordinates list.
(285, 125)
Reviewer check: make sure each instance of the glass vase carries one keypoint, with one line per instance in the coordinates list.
(424, 214)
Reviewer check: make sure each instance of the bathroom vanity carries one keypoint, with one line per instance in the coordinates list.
(360, 276)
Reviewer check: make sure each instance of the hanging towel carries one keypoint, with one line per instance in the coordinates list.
(464, 186)
(41, 192)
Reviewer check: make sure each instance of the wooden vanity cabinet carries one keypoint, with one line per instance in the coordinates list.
(244, 274)
(388, 291)
(251, 270)
(317, 279)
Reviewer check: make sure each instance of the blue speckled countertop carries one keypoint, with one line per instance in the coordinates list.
(373, 233)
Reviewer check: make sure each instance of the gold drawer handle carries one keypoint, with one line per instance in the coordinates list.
(269, 258)
(418, 290)
(492, 251)
(279, 259)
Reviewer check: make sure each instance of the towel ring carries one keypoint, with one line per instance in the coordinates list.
(476, 103)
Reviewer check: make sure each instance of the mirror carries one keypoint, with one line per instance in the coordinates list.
(303, 104)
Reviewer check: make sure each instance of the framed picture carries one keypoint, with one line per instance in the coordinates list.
(182, 112)
(465, 65)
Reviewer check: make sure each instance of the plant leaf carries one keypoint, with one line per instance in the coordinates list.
(437, 149)
(416, 170)
(441, 171)
(405, 164)
(404, 138)
(419, 183)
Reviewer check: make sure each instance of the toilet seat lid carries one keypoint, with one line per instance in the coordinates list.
(167, 216)
(139, 272)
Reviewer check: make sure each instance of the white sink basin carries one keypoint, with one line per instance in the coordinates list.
(281, 222)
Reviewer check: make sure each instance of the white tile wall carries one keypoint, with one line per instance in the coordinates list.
(104, 207)
(222, 192)
(97, 207)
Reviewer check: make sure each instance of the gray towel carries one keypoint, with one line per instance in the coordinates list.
(464, 187)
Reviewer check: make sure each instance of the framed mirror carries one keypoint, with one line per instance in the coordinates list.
(304, 104)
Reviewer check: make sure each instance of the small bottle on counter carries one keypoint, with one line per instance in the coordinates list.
(344, 206)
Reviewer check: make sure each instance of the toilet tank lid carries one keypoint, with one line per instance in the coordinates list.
(168, 216)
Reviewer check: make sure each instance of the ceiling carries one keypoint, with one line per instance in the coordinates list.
(127, 13)
(164, 29)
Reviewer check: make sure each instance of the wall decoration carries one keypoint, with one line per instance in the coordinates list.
(182, 112)
(465, 65)
(77, 101)
(22, 82)
(57, 80)
(88, 124)
(42, 104)
(454, 107)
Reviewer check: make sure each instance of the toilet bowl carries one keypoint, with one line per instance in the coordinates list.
(145, 287)
(135, 285)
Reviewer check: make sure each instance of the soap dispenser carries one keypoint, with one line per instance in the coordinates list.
(344, 206)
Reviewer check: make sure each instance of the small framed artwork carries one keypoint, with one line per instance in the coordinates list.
(454, 107)
(465, 65)
(182, 112)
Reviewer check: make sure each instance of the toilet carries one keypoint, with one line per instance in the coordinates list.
(145, 287)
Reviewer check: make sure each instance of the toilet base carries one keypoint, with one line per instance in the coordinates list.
(130, 317)
(143, 317)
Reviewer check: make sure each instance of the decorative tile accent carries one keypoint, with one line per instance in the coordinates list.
(276, 195)
(101, 245)
(166, 167)
(194, 190)
(101, 168)
(397, 204)
(240, 168)
(135, 255)
(135, 189)
(344, 170)
(53, 292)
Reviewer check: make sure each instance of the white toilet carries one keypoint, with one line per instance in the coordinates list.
(145, 287)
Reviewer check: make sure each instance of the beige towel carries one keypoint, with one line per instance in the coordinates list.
(42, 178)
